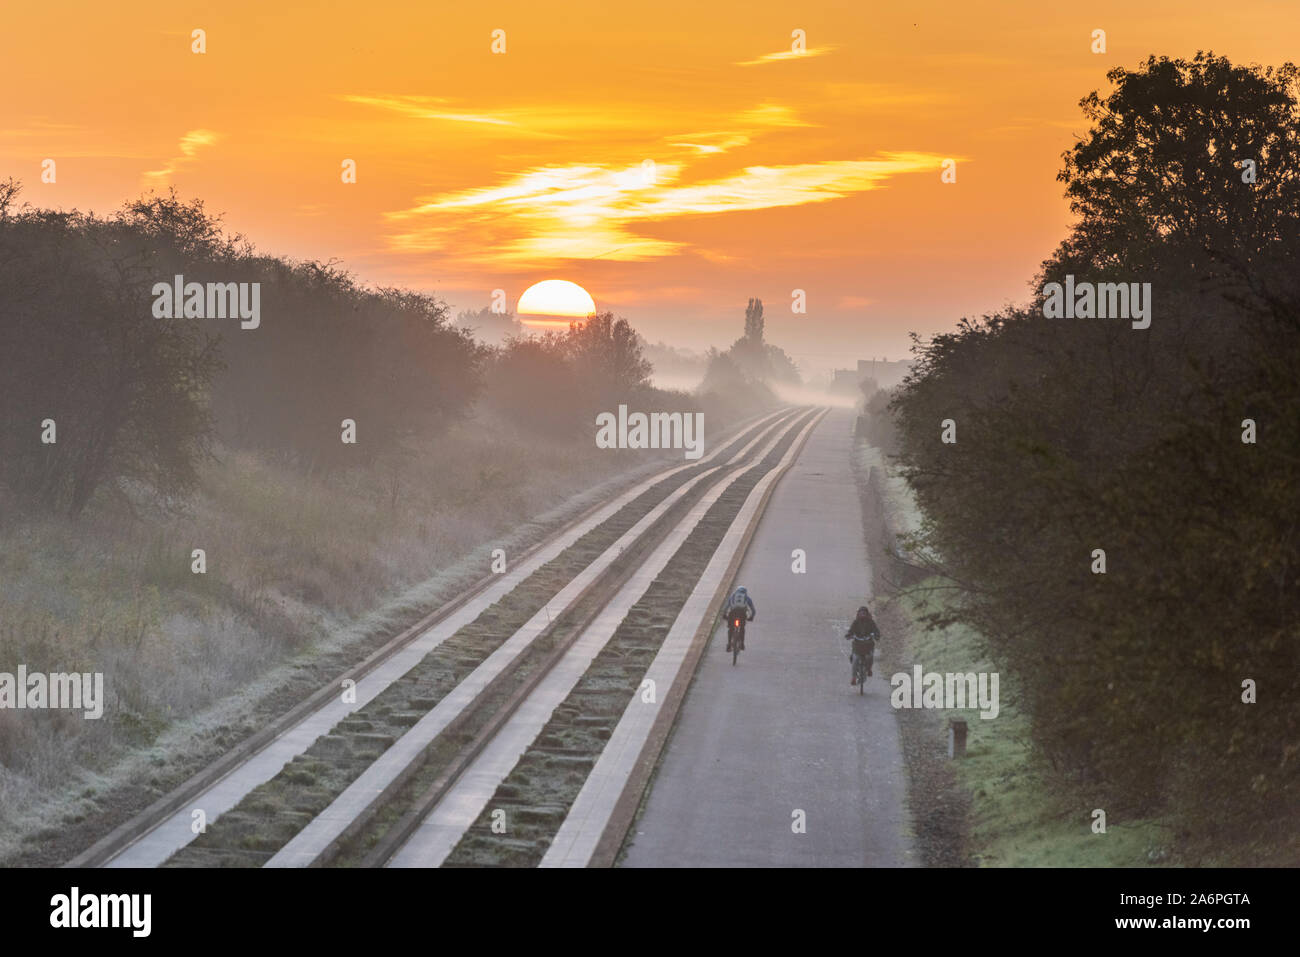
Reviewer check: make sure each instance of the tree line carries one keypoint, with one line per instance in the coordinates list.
(133, 397)
(104, 394)
(750, 368)
(1119, 505)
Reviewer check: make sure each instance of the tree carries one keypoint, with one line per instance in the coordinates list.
(754, 320)
(491, 328)
(328, 350)
(127, 391)
(1078, 435)
(138, 398)
(557, 383)
(532, 382)
(607, 355)
(1160, 175)
(757, 359)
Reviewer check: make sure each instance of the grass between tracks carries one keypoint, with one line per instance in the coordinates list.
(306, 574)
(272, 813)
(518, 824)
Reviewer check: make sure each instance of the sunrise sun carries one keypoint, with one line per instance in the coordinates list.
(554, 302)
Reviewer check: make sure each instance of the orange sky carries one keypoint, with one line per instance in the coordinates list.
(478, 171)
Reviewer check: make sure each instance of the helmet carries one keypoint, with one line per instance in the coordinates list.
(863, 611)
(741, 591)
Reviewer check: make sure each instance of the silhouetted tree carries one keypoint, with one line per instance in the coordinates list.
(557, 383)
(532, 382)
(135, 397)
(491, 328)
(79, 346)
(758, 359)
(1161, 173)
(1083, 434)
(606, 353)
(754, 320)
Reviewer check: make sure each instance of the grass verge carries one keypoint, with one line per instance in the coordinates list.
(1000, 806)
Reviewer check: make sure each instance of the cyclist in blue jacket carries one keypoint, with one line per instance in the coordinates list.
(739, 606)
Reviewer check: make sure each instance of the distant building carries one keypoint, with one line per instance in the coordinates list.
(845, 381)
(886, 374)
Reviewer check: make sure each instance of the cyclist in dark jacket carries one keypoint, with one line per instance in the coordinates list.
(863, 632)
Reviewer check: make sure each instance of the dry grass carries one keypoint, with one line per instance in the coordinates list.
(296, 565)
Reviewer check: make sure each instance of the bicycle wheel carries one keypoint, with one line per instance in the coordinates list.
(735, 646)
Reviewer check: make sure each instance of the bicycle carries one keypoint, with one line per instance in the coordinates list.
(861, 657)
(736, 639)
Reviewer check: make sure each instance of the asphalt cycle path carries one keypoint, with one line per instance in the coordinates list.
(777, 760)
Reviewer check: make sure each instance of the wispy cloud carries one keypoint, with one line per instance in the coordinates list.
(427, 108)
(538, 120)
(578, 119)
(782, 55)
(772, 115)
(552, 213)
(766, 187)
(1020, 124)
(859, 95)
(548, 213)
(189, 147)
(43, 129)
(724, 141)
(67, 140)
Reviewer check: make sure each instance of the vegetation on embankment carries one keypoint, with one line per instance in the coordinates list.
(1000, 806)
(1114, 493)
(305, 574)
(133, 434)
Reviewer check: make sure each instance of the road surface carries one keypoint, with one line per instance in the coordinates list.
(777, 761)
